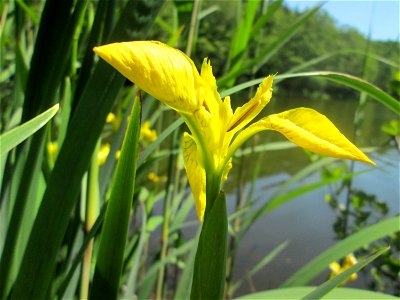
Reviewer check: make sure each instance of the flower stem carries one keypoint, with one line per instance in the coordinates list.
(166, 216)
(91, 210)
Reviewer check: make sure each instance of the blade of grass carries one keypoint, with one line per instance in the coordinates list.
(171, 173)
(91, 210)
(342, 248)
(336, 294)
(268, 52)
(115, 228)
(355, 83)
(149, 279)
(63, 285)
(15, 136)
(134, 267)
(345, 79)
(284, 198)
(272, 146)
(326, 287)
(108, 167)
(29, 11)
(241, 37)
(261, 264)
(150, 149)
(183, 289)
(262, 21)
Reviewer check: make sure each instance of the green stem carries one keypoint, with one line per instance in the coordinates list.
(213, 184)
(166, 216)
(91, 210)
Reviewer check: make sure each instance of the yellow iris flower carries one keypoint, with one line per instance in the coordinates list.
(216, 130)
(348, 262)
(103, 154)
(146, 133)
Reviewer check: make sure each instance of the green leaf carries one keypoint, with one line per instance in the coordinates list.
(282, 198)
(153, 146)
(146, 284)
(261, 264)
(133, 265)
(342, 248)
(336, 294)
(351, 81)
(183, 289)
(355, 83)
(115, 228)
(326, 287)
(15, 136)
(271, 146)
(210, 262)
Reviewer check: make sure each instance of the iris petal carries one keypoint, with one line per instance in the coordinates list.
(245, 114)
(162, 71)
(196, 174)
(308, 129)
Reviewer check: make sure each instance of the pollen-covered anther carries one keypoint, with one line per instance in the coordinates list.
(242, 117)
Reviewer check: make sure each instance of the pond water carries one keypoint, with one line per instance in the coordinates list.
(307, 221)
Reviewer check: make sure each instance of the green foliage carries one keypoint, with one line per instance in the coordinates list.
(209, 265)
(115, 228)
(298, 292)
(15, 136)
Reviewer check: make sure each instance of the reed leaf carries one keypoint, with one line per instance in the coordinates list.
(348, 245)
(115, 228)
(295, 293)
(326, 287)
(15, 136)
(209, 267)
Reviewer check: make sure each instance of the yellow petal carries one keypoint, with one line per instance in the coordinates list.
(162, 71)
(313, 131)
(244, 114)
(335, 267)
(212, 99)
(103, 154)
(196, 174)
(308, 129)
(349, 261)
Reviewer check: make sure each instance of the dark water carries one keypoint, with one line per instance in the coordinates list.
(307, 222)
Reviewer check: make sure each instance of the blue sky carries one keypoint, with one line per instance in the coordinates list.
(381, 16)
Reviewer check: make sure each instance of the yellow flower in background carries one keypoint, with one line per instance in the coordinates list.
(110, 117)
(117, 154)
(348, 262)
(103, 154)
(113, 120)
(216, 131)
(153, 177)
(52, 149)
(147, 134)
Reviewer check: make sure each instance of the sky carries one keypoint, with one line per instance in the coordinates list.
(382, 16)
